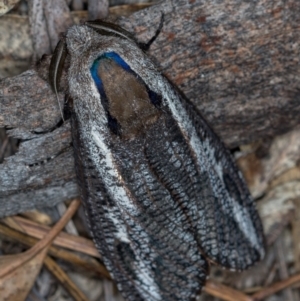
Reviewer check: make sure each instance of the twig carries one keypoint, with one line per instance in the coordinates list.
(70, 227)
(75, 243)
(41, 247)
(88, 263)
(224, 292)
(276, 287)
(64, 279)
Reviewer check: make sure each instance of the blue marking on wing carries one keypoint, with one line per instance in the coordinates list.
(96, 78)
(112, 121)
(108, 55)
(117, 59)
(154, 97)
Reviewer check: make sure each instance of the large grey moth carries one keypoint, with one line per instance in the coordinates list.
(162, 194)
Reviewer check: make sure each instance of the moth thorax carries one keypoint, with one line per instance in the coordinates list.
(127, 98)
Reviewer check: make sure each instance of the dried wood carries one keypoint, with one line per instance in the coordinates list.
(86, 262)
(18, 272)
(65, 240)
(237, 61)
(65, 280)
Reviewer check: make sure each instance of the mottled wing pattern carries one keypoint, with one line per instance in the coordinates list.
(200, 173)
(151, 253)
(238, 240)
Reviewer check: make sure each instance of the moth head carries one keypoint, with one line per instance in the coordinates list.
(79, 39)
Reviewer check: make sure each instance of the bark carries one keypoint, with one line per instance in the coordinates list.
(47, 20)
(97, 9)
(237, 61)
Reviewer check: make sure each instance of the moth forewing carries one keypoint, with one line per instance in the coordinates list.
(162, 194)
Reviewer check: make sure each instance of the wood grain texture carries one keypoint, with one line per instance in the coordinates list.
(237, 61)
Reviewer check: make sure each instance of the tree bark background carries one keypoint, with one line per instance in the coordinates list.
(237, 61)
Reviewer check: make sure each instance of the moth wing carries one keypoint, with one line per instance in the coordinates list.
(150, 252)
(204, 180)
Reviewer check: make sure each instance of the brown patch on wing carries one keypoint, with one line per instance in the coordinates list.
(128, 99)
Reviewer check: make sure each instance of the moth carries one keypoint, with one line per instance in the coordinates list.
(162, 194)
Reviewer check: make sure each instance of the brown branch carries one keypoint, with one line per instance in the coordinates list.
(228, 294)
(276, 287)
(64, 279)
(65, 240)
(237, 62)
(88, 263)
(224, 292)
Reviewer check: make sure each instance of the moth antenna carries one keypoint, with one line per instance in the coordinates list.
(146, 46)
(55, 69)
(110, 29)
